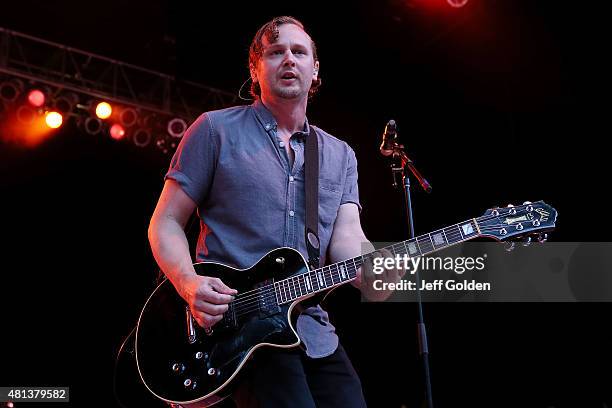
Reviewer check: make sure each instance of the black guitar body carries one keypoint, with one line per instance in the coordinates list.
(181, 363)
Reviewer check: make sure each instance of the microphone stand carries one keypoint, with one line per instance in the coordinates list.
(407, 167)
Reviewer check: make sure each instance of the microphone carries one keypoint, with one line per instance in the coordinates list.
(388, 139)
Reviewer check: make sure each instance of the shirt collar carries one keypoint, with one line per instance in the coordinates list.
(267, 119)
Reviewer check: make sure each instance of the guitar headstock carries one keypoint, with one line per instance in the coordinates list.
(518, 222)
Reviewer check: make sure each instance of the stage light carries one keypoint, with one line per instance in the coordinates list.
(117, 131)
(141, 137)
(10, 90)
(177, 127)
(128, 117)
(93, 125)
(36, 98)
(65, 103)
(457, 3)
(53, 119)
(26, 115)
(103, 110)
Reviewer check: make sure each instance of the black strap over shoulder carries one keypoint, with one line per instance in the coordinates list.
(311, 189)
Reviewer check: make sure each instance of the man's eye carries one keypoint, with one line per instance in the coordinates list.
(277, 52)
(299, 52)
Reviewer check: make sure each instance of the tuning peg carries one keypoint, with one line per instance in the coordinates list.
(543, 237)
(510, 205)
(527, 241)
(527, 202)
(509, 246)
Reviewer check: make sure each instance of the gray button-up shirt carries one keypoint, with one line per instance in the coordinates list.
(250, 197)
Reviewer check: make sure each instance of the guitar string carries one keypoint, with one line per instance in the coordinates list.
(291, 287)
(271, 297)
(425, 236)
(261, 290)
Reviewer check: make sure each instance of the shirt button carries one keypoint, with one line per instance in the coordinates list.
(281, 144)
(268, 126)
(291, 213)
(291, 178)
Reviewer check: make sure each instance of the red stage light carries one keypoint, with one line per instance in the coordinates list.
(36, 98)
(117, 131)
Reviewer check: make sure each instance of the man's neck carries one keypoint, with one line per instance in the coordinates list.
(290, 114)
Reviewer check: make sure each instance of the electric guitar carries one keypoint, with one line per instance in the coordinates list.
(187, 366)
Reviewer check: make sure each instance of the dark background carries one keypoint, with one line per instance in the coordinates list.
(497, 102)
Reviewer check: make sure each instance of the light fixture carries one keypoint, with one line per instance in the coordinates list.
(141, 137)
(104, 110)
(93, 126)
(128, 117)
(36, 98)
(54, 119)
(117, 131)
(177, 127)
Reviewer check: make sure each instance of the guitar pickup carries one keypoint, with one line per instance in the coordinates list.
(267, 305)
(229, 318)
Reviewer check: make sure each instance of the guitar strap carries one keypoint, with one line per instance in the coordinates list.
(311, 189)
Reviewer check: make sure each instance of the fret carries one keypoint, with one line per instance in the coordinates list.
(335, 273)
(298, 286)
(328, 278)
(281, 292)
(291, 290)
(320, 279)
(413, 248)
(459, 228)
(315, 280)
(275, 295)
(467, 229)
(400, 248)
(438, 239)
(331, 274)
(455, 233)
(431, 241)
(451, 236)
(424, 245)
(307, 281)
(343, 272)
(286, 289)
(445, 237)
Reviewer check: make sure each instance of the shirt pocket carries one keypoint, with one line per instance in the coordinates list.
(330, 195)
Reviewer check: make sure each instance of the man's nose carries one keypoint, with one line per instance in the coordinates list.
(289, 59)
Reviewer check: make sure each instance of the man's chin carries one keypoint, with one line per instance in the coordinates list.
(289, 93)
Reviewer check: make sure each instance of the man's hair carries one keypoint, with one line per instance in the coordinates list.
(270, 31)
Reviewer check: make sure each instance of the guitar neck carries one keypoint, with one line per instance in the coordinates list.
(322, 279)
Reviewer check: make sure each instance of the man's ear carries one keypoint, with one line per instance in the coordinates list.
(253, 73)
(315, 72)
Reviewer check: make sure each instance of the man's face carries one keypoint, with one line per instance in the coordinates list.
(287, 67)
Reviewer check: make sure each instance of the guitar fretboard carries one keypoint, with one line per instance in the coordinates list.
(318, 280)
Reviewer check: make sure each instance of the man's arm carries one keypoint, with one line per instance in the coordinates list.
(346, 242)
(207, 297)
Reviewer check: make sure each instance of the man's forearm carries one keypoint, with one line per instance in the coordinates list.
(171, 250)
(350, 246)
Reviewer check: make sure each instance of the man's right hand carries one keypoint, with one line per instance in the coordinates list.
(207, 297)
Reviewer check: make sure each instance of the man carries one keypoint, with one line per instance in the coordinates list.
(243, 169)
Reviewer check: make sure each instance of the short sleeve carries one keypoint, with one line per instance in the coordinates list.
(193, 164)
(351, 190)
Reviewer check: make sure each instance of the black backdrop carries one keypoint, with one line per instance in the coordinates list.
(498, 102)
